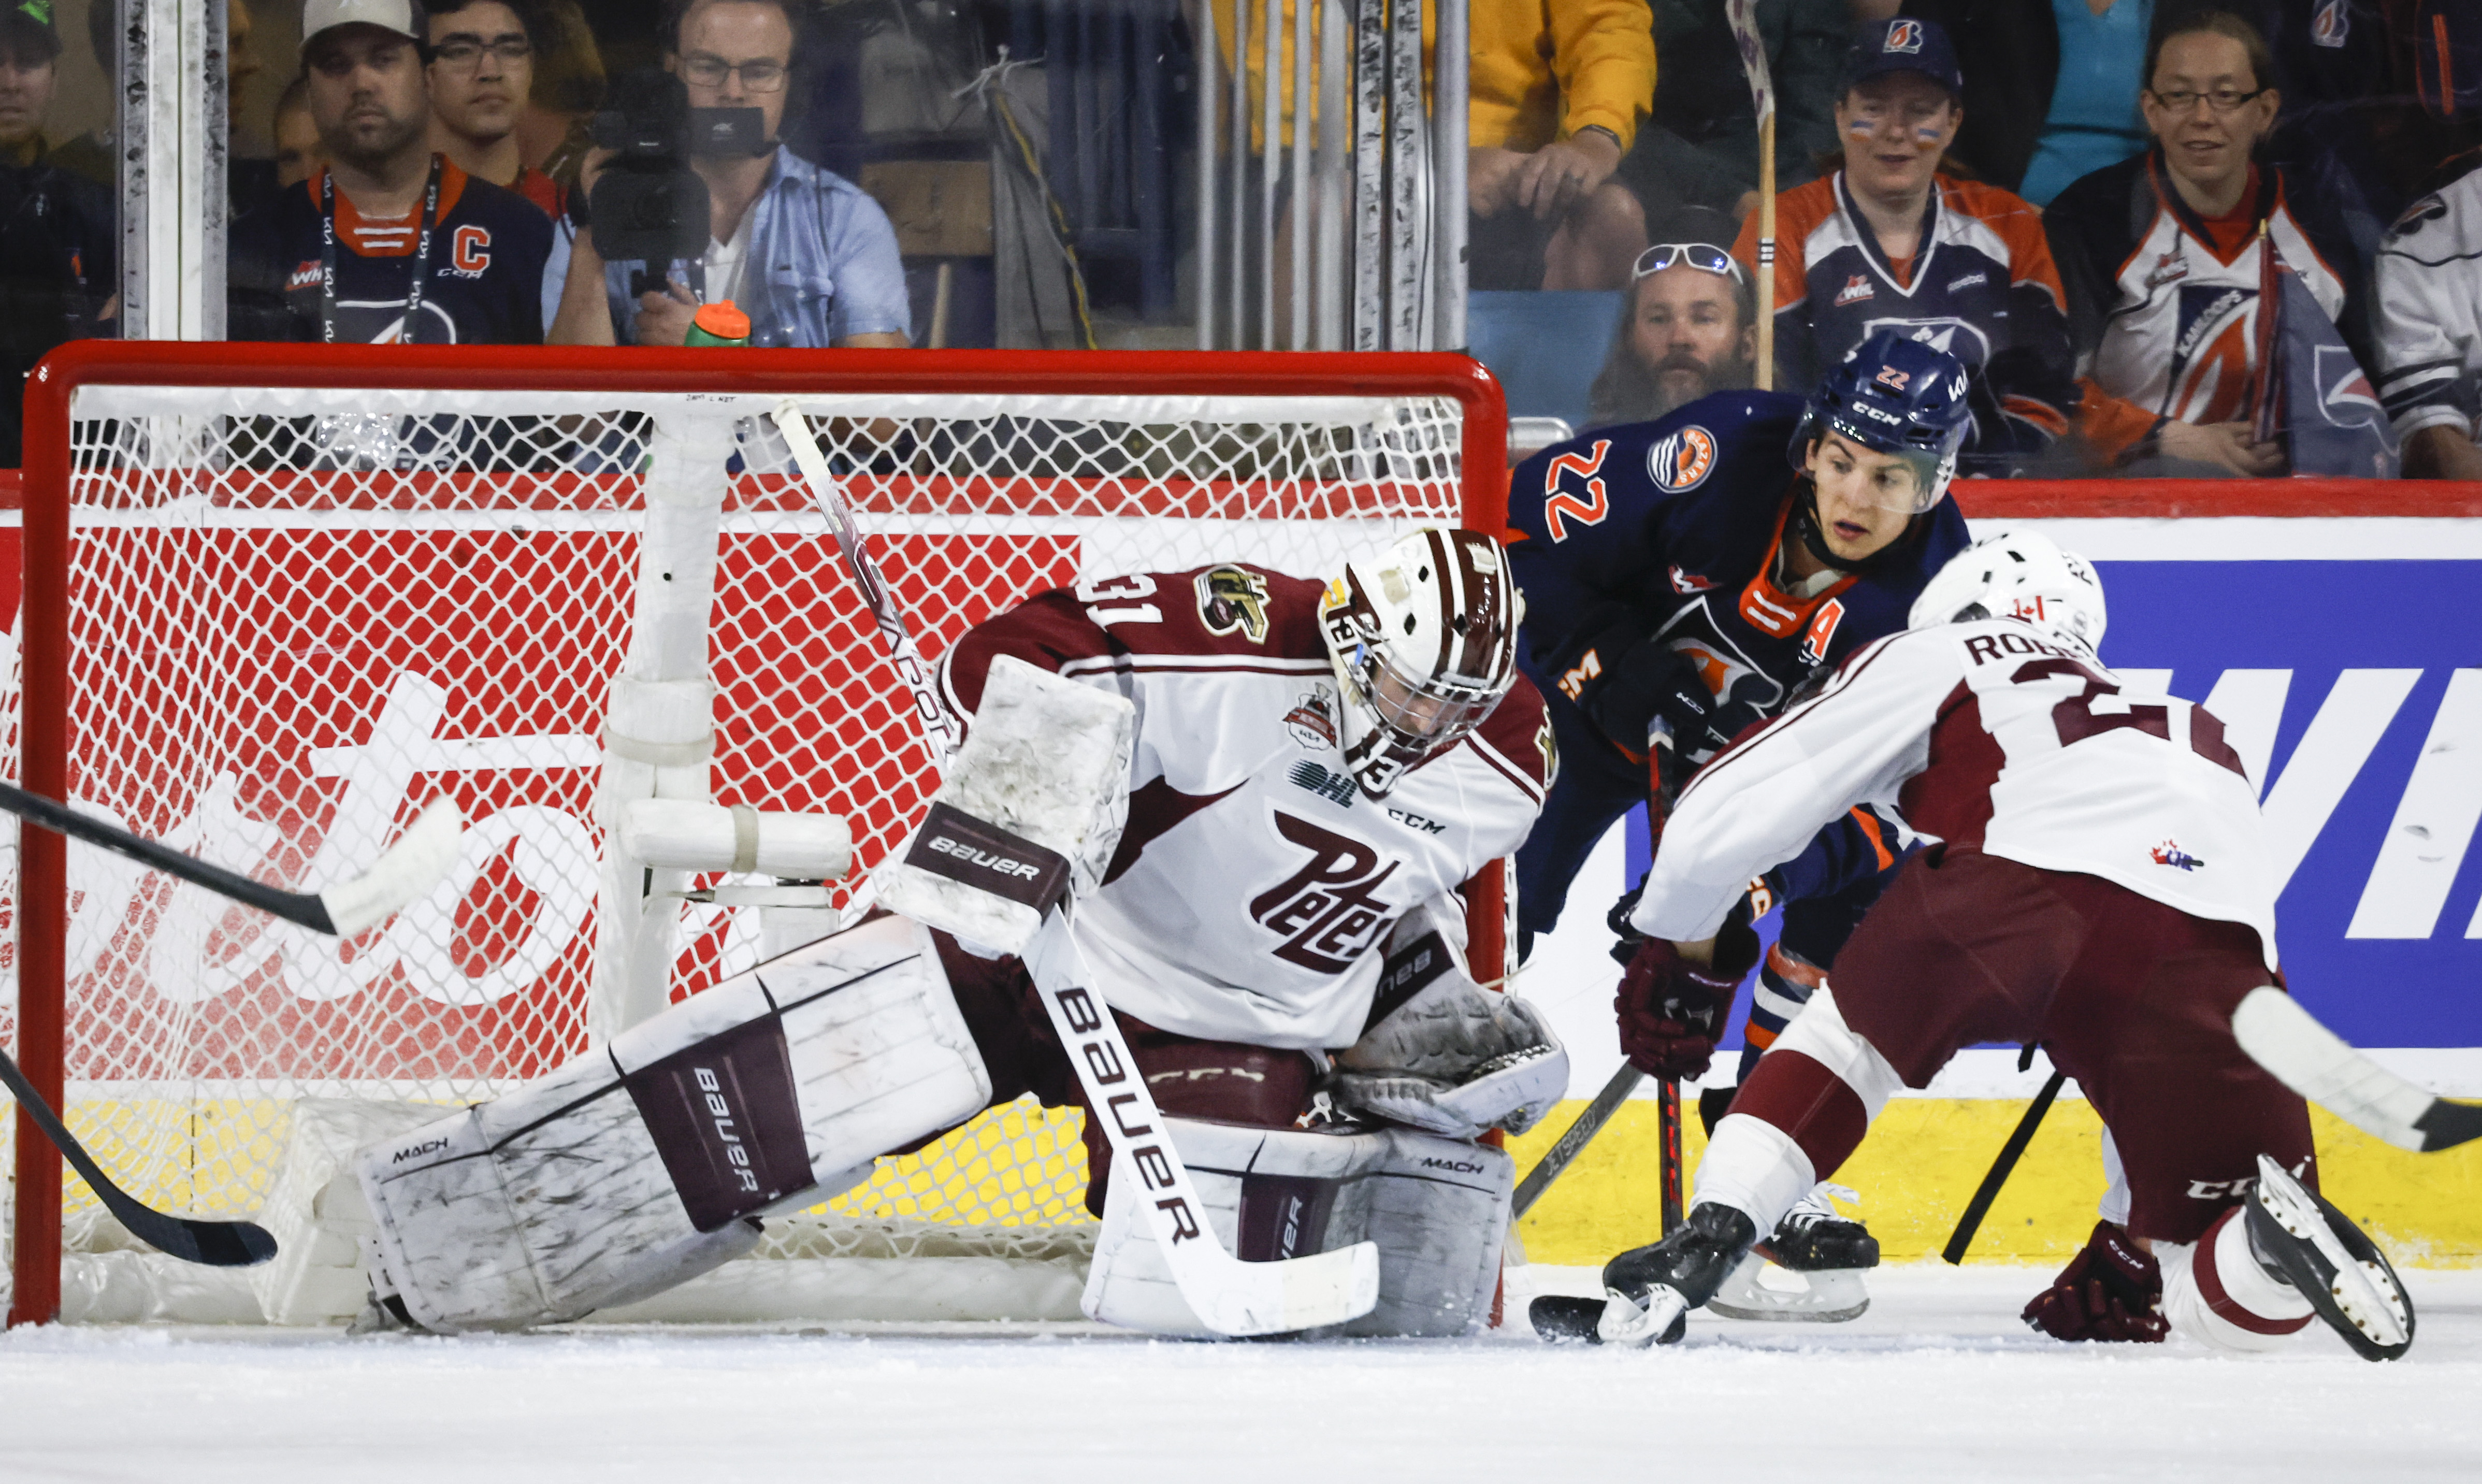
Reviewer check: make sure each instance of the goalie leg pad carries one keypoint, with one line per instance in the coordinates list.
(636, 1167)
(1436, 1208)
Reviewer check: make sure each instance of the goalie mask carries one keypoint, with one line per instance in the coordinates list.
(1424, 639)
(2018, 575)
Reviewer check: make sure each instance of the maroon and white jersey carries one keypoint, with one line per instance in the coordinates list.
(1984, 734)
(1255, 891)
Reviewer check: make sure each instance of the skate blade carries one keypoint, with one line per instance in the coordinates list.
(1827, 1296)
(2358, 1298)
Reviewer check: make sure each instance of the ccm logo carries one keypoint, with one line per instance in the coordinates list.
(735, 1151)
(984, 859)
(1452, 1166)
(425, 1147)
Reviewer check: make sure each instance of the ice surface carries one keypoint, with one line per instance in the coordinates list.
(1936, 1382)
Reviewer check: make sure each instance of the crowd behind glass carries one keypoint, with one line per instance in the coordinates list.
(2089, 201)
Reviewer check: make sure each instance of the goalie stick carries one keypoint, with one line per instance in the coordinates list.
(409, 869)
(1230, 1296)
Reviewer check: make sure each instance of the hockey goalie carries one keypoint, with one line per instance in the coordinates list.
(1244, 804)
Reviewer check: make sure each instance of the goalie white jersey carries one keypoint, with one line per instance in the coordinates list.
(1989, 735)
(1255, 891)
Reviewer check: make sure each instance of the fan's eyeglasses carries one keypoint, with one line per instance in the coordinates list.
(1704, 257)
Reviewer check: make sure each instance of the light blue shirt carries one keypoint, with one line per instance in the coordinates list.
(2094, 120)
(823, 264)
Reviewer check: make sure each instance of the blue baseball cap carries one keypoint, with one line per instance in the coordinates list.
(1904, 44)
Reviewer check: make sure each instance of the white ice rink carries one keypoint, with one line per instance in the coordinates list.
(1936, 1382)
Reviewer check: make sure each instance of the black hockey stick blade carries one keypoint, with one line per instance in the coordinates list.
(1558, 1317)
(409, 869)
(2000, 1168)
(211, 1244)
(2446, 1124)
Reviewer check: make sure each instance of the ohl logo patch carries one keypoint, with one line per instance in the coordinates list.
(2169, 854)
(1683, 460)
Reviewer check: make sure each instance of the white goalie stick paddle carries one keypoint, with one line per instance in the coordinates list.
(2322, 1067)
(910, 668)
(1229, 1296)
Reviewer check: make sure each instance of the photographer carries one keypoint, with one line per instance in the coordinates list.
(810, 257)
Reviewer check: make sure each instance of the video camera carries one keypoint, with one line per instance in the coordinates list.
(647, 204)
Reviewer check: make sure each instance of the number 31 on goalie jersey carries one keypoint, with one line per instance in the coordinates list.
(1110, 600)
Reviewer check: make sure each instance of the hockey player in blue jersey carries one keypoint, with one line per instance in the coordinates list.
(1684, 578)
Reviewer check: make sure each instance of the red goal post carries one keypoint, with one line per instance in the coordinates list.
(228, 549)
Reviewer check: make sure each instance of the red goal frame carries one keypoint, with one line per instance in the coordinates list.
(45, 658)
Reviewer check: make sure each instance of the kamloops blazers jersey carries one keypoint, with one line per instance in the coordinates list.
(1674, 526)
(486, 271)
(2167, 325)
(1988, 735)
(2429, 313)
(1253, 894)
(1979, 286)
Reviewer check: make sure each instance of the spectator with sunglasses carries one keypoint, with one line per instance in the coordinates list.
(810, 257)
(1891, 240)
(1687, 328)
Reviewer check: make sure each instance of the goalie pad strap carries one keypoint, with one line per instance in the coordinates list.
(727, 1119)
(976, 852)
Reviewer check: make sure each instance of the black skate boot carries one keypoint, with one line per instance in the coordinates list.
(2304, 1240)
(1814, 1237)
(1649, 1290)
(1819, 1254)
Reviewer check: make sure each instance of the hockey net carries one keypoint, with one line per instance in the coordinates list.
(298, 609)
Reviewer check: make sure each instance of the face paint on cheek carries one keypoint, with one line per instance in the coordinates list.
(1926, 133)
(1859, 129)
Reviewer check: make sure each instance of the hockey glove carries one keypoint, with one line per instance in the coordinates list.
(2110, 1290)
(1671, 1010)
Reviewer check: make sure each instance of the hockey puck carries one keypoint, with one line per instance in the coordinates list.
(1558, 1317)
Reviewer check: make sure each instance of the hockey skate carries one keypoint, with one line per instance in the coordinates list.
(1821, 1252)
(2303, 1239)
(1649, 1291)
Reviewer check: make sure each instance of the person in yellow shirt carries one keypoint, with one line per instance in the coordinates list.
(1557, 90)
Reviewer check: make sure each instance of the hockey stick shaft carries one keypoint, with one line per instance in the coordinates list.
(910, 668)
(1668, 1127)
(2327, 1070)
(1231, 1297)
(1742, 16)
(212, 1243)
(1572, 1142)
(2000, 1169)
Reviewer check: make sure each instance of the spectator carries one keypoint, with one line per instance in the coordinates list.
(1687, 327)
(390, 243)
(2051, 86)
(2428, 288)
(1700, 147)
(1558, 87)
(482, 74)
(58, 265)
(1889, 242)
(2164, 256)
(552, 130)
(805, 254)
(298, 154)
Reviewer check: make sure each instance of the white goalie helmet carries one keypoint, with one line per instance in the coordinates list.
(2018, 575)
(1423, 633)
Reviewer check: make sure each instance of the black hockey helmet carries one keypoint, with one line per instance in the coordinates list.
(1896, 396)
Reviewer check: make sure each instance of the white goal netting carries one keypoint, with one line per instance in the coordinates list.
(299, 615)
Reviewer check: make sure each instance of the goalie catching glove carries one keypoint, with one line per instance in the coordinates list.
(1446, 1055)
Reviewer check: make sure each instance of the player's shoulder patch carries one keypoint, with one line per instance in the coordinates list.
(1516, 739)
(1238, 609)
(1233, 599)
(1682, 459)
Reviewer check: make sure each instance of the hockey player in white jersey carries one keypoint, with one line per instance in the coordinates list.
(2099, 886)
(1252, 800)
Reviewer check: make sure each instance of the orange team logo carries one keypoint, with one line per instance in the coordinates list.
(1904, 36)
(1683, 460)
(2212, 352)
(472, 253)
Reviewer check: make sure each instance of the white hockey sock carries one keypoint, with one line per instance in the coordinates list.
(1755, 1168)
(2217, 1292)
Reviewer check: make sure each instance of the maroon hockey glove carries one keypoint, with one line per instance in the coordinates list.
(1671, 1010)
(2110, 1290)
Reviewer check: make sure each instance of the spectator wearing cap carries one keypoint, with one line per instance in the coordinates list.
(1889, 240)
(1687, 328)
(2165, 259)
(58, 265)
(2428, 283)
(804, 254)
(389, 242)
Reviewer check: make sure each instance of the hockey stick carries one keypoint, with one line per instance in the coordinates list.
(2322, 1067)
(409, 869)
(1230, 1296)
(1743, 17)
(213, 1243)
(1571, 1143)
(2000, 1168)
(910, 668)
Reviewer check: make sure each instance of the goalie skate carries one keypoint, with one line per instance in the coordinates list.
(2337, 1268)
(1808, 1270)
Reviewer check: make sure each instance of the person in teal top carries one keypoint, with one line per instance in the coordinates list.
(2092, 120)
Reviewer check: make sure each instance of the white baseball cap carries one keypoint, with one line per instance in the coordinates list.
(402, 16)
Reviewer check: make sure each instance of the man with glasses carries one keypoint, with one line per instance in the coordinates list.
(2166, 261)
(810, 257)
(482, 68)
(1686, 328)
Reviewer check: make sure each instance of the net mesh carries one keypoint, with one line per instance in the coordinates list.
(297, 616)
